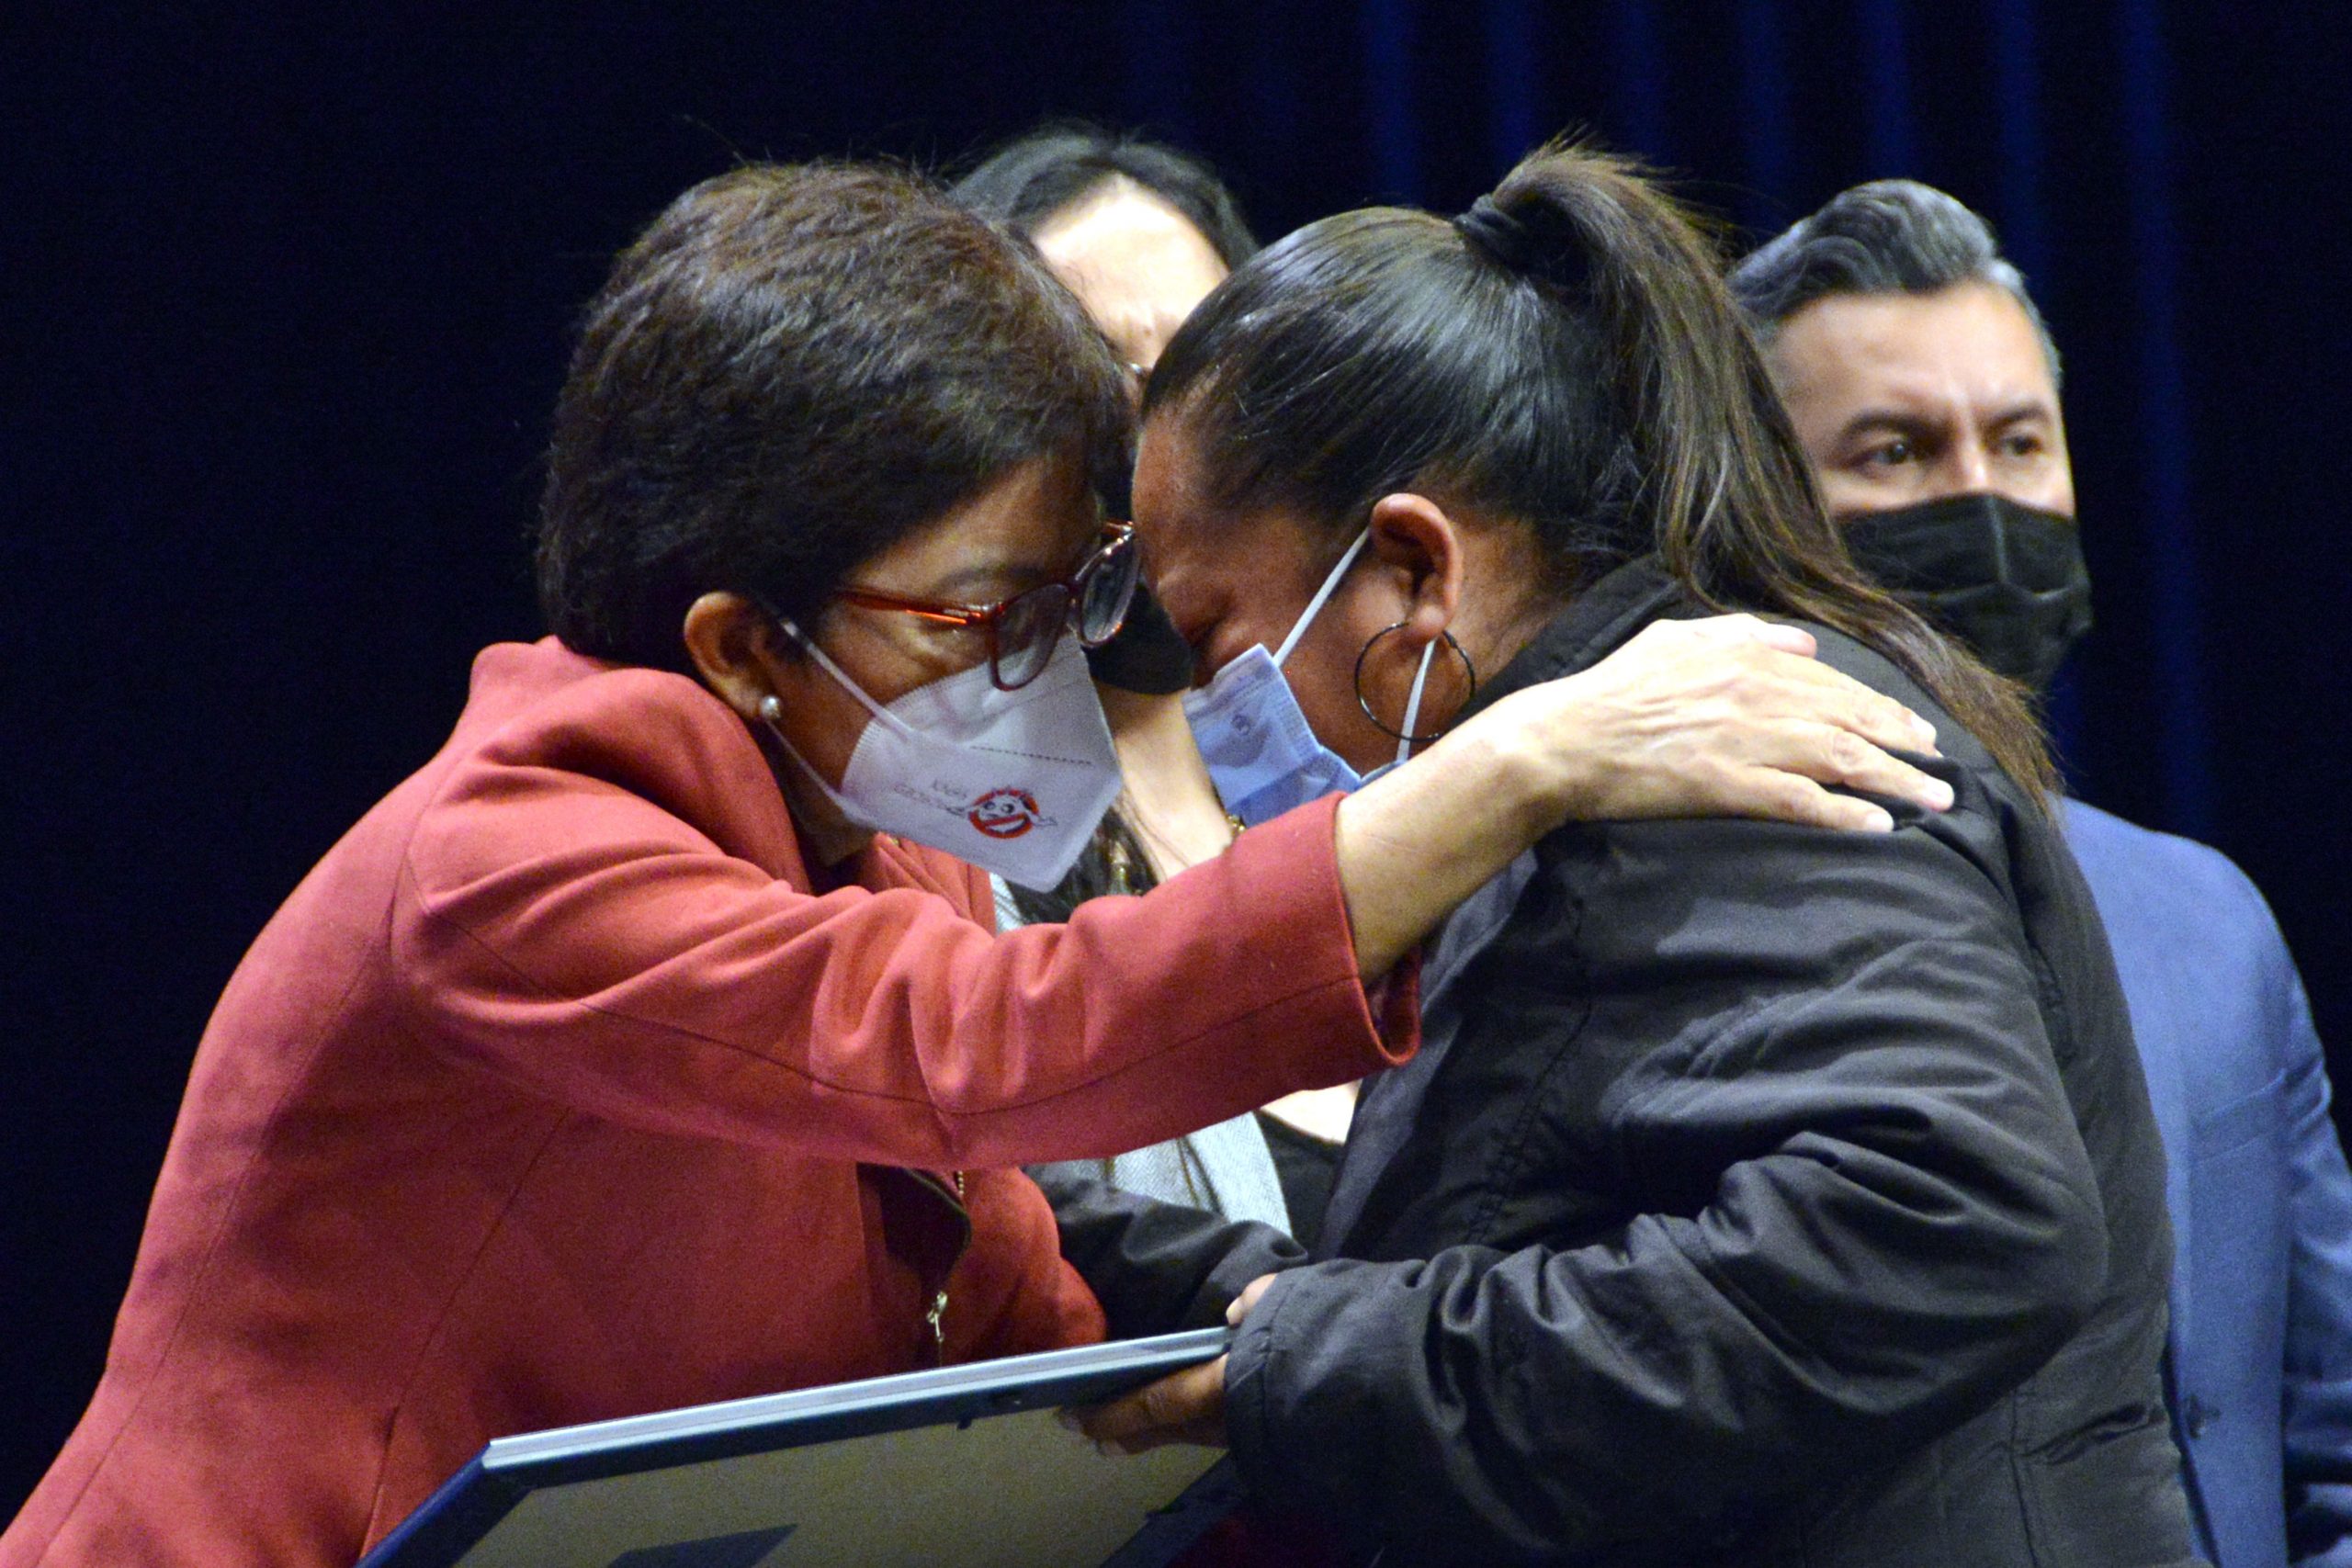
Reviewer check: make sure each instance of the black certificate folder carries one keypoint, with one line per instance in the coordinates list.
(961, 1468)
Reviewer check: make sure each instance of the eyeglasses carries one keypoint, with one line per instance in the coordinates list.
(1024, 629)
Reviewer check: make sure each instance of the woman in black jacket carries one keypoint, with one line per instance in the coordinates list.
(1762, 1195)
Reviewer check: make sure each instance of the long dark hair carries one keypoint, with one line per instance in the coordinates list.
(1565, 355)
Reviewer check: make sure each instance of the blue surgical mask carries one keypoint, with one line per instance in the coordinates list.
(1263, 756)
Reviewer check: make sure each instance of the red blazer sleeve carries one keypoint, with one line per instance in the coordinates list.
(605, 902)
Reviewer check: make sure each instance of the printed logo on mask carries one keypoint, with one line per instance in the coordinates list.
(929, 766)
(1006, 813)
(1262, 755)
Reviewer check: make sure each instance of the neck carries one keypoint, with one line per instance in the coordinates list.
(829, 838)
(1506, 601)
(1494, 641)
(1510, 593)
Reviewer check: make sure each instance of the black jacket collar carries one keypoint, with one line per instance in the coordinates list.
(1599, 621)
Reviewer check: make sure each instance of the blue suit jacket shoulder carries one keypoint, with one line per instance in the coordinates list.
(2260, 1197)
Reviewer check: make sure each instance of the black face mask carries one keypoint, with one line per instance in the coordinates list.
(2007, 580)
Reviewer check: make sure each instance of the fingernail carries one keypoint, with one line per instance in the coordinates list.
(1878, 821)
(1939, 794)
(1925, 731)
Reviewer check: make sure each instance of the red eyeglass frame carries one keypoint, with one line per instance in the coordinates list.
(988, 617)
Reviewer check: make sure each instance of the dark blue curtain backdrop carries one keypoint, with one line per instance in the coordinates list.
(288, 288)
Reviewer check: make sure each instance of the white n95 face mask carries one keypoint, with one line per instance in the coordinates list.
(1012, 782)
(1261, 753)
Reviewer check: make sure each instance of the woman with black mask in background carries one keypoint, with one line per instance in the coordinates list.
(1761, 1196)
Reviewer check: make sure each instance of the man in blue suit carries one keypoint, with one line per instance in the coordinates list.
(1924, 387)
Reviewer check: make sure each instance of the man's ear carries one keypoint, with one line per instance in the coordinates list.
(733, 645)
(1420, 545)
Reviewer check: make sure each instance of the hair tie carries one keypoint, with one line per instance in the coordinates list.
(1548, 249)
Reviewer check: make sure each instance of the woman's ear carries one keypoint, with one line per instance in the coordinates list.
(732, 644)
(1421, 546)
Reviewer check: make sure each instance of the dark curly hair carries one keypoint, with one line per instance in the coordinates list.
(789, 371)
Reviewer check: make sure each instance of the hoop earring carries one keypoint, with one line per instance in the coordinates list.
(1469, 672)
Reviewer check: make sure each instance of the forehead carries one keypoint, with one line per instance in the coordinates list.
(1193, 544)
(1027, 526)
(1970, 343)
(1168, 494)
(1127, 241)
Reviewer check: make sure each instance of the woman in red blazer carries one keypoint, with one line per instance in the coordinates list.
(614, 1061)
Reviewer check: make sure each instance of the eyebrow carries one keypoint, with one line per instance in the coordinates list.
(973, 583)
(1888, 419)
(2025, 409)
(1012, 576)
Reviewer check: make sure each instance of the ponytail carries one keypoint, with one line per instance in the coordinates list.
(1736, 517)
(1564, 353)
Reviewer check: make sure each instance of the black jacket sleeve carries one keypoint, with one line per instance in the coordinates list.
(1860, 1210)
(1157, 1268)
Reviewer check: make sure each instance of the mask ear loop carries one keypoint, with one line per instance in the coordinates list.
(1413, 702)
(770, 711)
(825, 662)
(772, 715)
(1405, 737)
(1322, 596)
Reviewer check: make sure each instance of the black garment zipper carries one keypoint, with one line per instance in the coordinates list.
(937, 1314)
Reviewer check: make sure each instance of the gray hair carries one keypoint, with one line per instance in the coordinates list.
(1886, 237)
